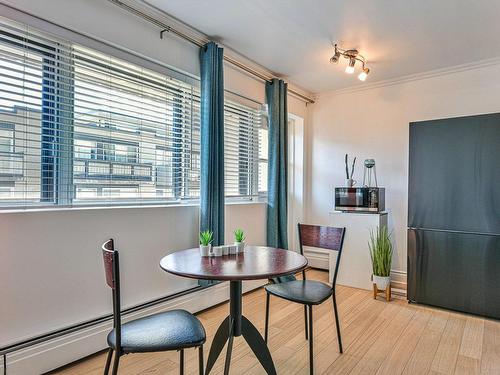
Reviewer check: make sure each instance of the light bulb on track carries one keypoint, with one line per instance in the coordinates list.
(350, 68)
(362, 76)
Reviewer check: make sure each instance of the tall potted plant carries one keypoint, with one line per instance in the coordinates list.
(381, 255)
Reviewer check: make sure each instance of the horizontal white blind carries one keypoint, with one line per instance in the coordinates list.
(80, 127)
(241, 150)
(136, 132)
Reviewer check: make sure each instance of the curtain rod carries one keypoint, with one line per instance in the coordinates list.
(200, 43)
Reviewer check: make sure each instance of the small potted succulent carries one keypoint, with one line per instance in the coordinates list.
(381, 255)
(206, 238)
(239, 240)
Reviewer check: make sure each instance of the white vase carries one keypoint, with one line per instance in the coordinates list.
(349, 182)
(240, 247)
(205, 250)
(381, 281)
(217, 251)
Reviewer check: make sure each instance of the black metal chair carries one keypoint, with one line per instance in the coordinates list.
(170, 330)
(309, 292)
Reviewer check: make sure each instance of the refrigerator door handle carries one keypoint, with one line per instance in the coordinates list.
(454, 231)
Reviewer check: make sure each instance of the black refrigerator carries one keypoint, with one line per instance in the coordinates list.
(454, 214)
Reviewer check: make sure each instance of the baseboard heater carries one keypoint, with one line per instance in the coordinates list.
(5, 351)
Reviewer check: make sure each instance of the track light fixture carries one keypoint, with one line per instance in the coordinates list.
(352, 55)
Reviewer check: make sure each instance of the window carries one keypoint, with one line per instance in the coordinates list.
(242, 141)
(81, 127)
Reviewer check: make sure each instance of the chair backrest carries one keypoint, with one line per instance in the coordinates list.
(112, 273)
(323, 237)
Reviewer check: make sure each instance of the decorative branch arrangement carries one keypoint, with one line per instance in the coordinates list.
(347, 167)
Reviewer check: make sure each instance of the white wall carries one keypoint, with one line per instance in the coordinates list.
(374, 124)
(50, 260)
(52, 263)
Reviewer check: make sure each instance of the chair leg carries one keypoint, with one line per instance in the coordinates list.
(200, 359)
(116, 363)
(266, 329)
(337, 324)
(108, 361)
(181, 371)
(311, 353)
(305, 318)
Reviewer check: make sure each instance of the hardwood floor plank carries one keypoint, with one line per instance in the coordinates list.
(445, 360)
(396, 362)
(470, 352)
(425, 350)
(385, 342)
(490, 359)
(368, 332)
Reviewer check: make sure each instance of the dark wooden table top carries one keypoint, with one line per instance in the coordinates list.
(257, 262)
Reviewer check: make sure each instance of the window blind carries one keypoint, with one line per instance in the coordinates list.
(81, 127)
(242, 149)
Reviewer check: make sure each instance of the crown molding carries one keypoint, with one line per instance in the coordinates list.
(412, 77)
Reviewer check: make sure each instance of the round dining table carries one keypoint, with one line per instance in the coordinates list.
(256, 262)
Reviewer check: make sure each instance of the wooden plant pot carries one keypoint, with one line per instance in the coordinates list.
(382, 285)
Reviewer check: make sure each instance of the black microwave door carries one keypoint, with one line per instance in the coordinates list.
(350, 197)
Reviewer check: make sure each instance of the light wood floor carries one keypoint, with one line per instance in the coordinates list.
(379, 338)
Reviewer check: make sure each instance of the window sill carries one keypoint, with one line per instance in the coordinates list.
(120, 207)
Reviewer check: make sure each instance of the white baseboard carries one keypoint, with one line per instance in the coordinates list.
(398, 276)
(69, 348)
(317, 258)
(399, 281)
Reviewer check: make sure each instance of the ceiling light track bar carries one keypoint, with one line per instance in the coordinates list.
(199, 42)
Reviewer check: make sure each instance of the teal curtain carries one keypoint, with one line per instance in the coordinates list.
(212, 141)
(276, 96)
(277, 235)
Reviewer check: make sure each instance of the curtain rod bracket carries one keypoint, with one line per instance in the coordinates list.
(164, 30)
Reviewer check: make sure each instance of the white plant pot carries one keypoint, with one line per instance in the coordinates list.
(381, 281)
(240, 247)
(205, 250)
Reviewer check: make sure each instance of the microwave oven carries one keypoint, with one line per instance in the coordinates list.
(360, 199)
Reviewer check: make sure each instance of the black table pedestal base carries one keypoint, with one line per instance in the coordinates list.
(236, 325)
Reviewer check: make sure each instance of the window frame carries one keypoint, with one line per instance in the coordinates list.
(57, 159)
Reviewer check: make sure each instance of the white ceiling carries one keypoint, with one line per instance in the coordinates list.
(398, 37)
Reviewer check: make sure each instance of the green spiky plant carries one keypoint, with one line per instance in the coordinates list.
(239, 235)
(381, 251)
(206, 237)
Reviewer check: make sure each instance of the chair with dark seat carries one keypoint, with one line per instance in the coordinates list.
(309, 292)
(170, 330)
